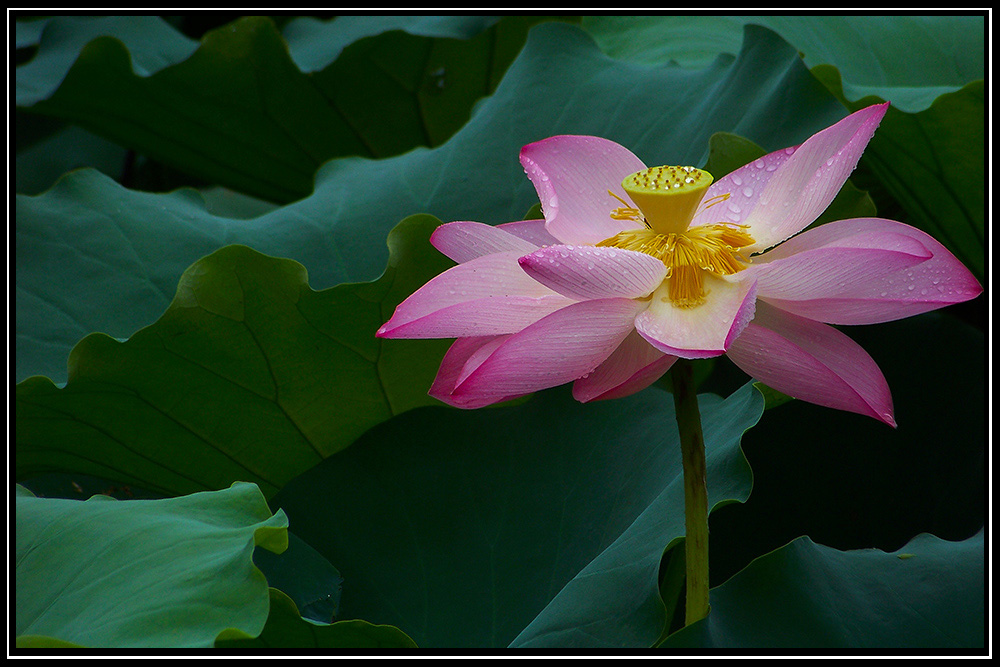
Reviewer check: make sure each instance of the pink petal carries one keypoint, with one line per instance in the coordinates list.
(464, 356)
(632, 367)
(744, 186)
(462, 241)
(813, 362)
(530, 230)
(560, 348)
(862, 271)
(704, 331)
(588, 272)
(572, 175)
(484, 296)
(805, 184)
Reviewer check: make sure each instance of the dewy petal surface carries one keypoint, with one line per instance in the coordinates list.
(804, 185)
(587, 272)
(557, 349)
(862, 271)
(703, 331)
(813, 362)
(487, 295)
(744, 187)
(572, 175)
(462, 241)
(633, 366)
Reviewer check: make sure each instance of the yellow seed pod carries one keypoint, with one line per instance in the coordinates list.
(668, 196)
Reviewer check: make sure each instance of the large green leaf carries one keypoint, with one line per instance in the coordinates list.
(258, 123)
(908, 60)
(249, 375)
(460, 527)
(610, 604)
(131, 247)
(285, 628)
(168, 573)
(929, 594)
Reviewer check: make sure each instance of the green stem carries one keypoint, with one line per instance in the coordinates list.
(695, 491)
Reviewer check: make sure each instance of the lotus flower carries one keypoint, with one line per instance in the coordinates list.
(633, 267)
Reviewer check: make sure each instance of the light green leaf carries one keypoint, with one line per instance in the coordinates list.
(553, 505)
(173, 573)
(807, 596)
(249, 375)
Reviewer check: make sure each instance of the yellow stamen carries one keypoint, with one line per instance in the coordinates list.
(667, 199)
(712, 201)
(626, 212)
(685, 289)
(716, 248)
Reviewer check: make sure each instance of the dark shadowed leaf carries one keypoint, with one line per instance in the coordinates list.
(285, 628)
(929, 594)
(258, 123)
(460, 527)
